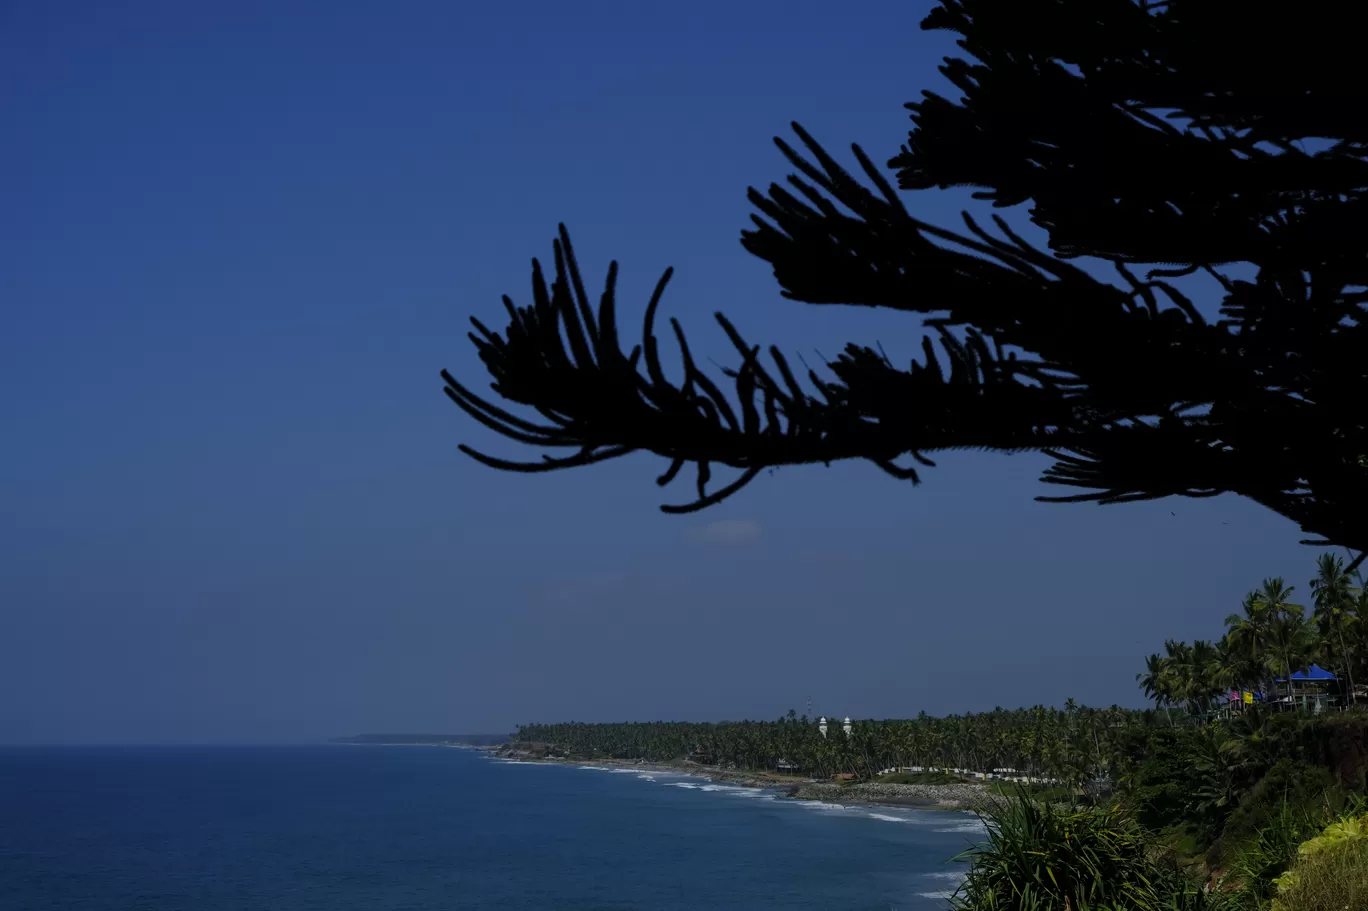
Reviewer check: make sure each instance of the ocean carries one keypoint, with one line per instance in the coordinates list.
(369, 828)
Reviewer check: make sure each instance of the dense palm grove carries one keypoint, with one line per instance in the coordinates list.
(1270, 638)
(1071, 744)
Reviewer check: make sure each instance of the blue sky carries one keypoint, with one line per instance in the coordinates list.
(243, 239)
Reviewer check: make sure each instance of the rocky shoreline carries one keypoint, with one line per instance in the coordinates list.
(957, 796)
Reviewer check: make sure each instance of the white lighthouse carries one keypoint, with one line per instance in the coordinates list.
(845, 726)
(822, 725)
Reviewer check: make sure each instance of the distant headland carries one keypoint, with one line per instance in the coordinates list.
(467, 740)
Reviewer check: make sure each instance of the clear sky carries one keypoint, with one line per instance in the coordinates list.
(240, 241)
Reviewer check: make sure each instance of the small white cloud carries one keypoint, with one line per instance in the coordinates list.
(730, 531)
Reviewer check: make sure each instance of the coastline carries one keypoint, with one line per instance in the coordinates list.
(958, 796)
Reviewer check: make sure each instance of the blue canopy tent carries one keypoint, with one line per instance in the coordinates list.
(1309, 688)
(1314, 672)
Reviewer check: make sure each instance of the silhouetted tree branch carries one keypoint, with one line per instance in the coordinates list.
(1170, 135)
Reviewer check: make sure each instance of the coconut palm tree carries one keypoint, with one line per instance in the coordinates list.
(1157, 683)
(1195, 673)
(1357, 634)
(1204, 676)
(1335, 603)
(1247, 634)
(1275, 599)
(1232, 671)
(1178, 658)
(1250, 633)
(1291, 644)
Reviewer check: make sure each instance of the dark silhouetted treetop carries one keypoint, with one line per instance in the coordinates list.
(1209, 140)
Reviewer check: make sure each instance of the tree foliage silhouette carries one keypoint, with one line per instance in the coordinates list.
(1211, 138)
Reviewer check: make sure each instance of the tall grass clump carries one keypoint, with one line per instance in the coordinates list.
(1331, 870)
(1273, 848)
(1056, 857)
(1335, 879)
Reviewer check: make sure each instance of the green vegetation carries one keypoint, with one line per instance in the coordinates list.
(1072, 745)
(1043, 856)
(1056, 856)
(1330, 872)
(1231, 807)
(1333, 880)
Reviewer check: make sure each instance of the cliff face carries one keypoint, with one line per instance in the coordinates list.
(527, 749)
(1341, 745)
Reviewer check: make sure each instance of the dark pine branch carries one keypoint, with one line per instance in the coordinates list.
(566, 362)
(1169, 140)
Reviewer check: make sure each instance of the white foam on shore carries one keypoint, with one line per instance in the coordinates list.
(752, 793)
(703, 783)
(924, 818)
(821, 806)
(945, 893)
(975, 826)
(735, 790)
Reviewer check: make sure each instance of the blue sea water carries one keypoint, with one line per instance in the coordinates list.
(342, 828)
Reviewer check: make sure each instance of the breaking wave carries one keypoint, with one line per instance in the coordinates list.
(975, 827)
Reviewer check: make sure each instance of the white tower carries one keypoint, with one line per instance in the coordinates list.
(822, 726)
(845, 726)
